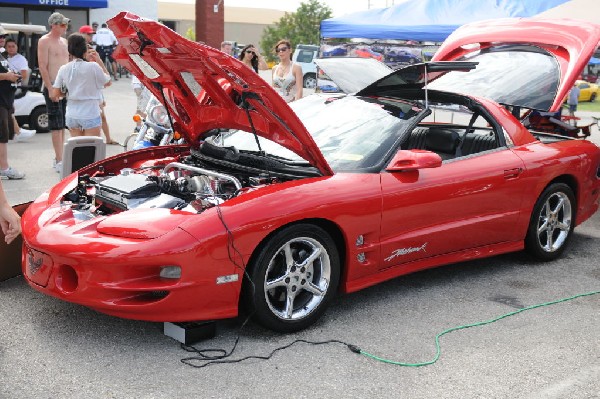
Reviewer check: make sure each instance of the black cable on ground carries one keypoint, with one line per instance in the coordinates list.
(219, 356)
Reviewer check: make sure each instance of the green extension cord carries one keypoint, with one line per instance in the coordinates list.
(356, 349)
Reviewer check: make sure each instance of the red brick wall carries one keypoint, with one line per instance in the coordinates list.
(210, 25)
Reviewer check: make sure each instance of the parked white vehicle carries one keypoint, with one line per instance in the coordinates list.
(303, 56)
(30, 109)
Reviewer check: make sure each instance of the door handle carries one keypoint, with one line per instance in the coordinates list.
(512, 173)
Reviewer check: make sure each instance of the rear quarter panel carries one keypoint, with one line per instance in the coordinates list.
(574, 161)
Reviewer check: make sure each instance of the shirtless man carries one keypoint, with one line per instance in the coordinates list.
(52, 54)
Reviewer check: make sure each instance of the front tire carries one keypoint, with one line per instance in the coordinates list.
(295, 274)
(552, 222)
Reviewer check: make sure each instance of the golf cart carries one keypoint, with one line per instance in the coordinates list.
(30, 107)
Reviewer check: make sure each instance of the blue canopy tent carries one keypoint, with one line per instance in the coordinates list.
(427, 20)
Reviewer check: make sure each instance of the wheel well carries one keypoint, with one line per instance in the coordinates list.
(39, 107)
(331, 228)
(569, 181)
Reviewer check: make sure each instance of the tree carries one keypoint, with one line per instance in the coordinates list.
(302, 26)
(190, 34)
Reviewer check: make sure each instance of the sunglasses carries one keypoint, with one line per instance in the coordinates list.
(3, 36)
(250, 52)
(281, 49)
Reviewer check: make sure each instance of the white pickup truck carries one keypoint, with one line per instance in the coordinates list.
(303, 56)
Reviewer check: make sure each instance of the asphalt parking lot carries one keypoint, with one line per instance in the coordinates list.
(54, 349)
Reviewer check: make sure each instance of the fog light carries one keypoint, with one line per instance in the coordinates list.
(66, 279)
(170, 272)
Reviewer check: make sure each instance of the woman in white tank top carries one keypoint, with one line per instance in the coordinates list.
(287, 76)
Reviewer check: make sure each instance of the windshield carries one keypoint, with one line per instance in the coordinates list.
(524, 76)
(353, 133)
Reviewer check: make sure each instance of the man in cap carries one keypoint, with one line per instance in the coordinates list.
(52, 54)
(88, 32)
(8, 86)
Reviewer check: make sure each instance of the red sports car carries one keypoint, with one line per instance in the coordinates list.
(278, 207)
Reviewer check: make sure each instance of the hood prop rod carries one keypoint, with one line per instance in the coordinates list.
(246, 105)
(426, 90)
(164, 98)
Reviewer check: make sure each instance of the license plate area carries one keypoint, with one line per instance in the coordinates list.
(38, 267)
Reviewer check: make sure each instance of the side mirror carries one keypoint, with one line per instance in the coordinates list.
(406, 160)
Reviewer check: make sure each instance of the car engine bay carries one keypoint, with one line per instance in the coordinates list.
(207, 177)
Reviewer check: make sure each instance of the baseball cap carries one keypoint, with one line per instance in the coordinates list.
(86, 29)
(3, 31)
(58, 19)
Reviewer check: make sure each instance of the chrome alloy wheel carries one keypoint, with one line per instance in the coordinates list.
(297, 278)
(554, 222)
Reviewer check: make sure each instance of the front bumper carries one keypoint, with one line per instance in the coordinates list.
(121, 276)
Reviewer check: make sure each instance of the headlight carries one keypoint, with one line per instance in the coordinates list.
(159, 115)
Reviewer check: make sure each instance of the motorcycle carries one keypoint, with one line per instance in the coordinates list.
(152, 130)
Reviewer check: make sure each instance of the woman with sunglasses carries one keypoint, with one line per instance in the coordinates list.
(287, 76)
(252, 58)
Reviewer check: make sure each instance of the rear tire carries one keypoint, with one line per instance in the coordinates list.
(552, 222)
(310, 81)
(295, 274)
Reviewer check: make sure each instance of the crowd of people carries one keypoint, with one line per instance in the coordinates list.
(82, 82)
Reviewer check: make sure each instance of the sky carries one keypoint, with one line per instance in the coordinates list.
(339, 7)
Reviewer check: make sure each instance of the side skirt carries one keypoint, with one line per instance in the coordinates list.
(428, 263)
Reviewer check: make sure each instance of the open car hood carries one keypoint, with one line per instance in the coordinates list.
(206, 89)
(510, 77)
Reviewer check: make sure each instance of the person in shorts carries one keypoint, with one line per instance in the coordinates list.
(84, 82)
(88, 32)
(53, 54)
(8, 83)
(19, 65)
